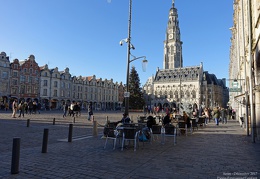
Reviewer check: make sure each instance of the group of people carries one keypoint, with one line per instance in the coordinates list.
(74, 109)
(23, 107)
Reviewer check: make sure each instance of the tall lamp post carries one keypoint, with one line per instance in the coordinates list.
(129, 47)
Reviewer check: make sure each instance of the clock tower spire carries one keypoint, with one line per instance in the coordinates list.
(173, 43)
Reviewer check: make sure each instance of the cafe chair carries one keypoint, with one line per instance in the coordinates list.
(194, 123)
(170, 131)
(182, 126)
(130, 134)
(110, 133)
(156, 130)
(201, 121)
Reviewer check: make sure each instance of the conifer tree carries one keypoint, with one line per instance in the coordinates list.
(136, 100)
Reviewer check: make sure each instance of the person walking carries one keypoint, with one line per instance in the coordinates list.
(223, 113)
(14, 108)
(21, 108)
(30, 106)
(216, 115)
(39, 107)
(71, 112)
(206, 112)
(6, 106)
(26, 107)
(90, 111)
(65, 109)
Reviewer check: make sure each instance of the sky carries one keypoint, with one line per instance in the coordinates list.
(84, 35)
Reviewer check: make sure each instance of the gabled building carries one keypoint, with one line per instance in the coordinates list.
(25, 80)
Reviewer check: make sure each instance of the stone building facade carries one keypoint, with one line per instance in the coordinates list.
(4, 79)
(244, 68)
(26, 80)
(178, 87)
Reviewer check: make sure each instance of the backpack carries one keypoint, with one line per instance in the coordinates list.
(20, 106)
(143, 137)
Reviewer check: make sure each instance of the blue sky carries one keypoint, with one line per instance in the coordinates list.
(84, 35)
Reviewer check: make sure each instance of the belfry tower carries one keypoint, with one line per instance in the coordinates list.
(173, 44)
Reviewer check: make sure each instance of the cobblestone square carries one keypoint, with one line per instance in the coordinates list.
(210, 152)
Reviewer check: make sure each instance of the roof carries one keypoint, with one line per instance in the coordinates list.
(188, 73)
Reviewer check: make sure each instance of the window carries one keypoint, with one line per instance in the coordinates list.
(15, 74)
(182, 94)
(22, 89)
(36, 80)
(44, 92)
(22, 78)
(45, 83)
(14, 82)
(45, 74)
(29, 89)
(24, 70)
(193, 94)
(30, 79)
(14, 91)
(55, 93)
(4, 74)
(55, 84)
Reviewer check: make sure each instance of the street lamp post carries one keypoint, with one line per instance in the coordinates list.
(129, 47)
(127, 94)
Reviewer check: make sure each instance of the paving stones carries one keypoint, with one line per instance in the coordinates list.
(211, 152)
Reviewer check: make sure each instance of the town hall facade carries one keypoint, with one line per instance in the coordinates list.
(180, 87)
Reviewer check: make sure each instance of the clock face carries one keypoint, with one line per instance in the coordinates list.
(170, 36)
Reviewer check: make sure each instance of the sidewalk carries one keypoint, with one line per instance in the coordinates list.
(211, 152)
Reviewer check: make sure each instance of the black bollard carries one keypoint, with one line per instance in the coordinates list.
(70, 133)
(28, 122)
(53, 121)
(15, 156)
(45, 140)
(74, 120)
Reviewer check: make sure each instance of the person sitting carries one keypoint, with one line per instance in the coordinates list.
(166, 119)
(150, 122)
(125, 119)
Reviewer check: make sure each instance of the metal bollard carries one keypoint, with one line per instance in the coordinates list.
(45, 140)
(15, 156)
(70, 132)
(95, 132)
(53, 122)
(74, 120)
(28, 122)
